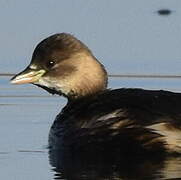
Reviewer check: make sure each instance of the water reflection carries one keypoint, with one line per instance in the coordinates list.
(68, 165)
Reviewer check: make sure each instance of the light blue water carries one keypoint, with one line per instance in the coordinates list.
(27, 113)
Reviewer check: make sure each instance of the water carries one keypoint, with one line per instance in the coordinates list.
(27, 113)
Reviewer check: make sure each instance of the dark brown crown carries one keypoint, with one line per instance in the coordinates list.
(62, 42)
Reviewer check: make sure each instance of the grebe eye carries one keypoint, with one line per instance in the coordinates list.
(51, 63)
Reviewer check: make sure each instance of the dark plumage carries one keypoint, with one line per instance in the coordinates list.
(128, 120)
(119, 119)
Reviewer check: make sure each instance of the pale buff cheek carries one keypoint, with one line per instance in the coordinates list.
(87, 77)
(46, 82)
(78, 83)
(53, 83)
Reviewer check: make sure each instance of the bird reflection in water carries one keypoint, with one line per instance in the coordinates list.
(112, 165)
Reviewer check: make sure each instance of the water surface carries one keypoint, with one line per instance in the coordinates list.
(27, 113)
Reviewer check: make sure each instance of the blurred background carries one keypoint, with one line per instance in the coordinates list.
(128, 37)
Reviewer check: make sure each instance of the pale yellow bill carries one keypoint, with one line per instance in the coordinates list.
(27, 76)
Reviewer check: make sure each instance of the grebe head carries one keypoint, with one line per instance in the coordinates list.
(62, 64)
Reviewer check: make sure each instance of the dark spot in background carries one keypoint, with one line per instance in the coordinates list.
(164, 12)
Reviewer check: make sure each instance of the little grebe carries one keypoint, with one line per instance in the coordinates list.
(132, 120)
